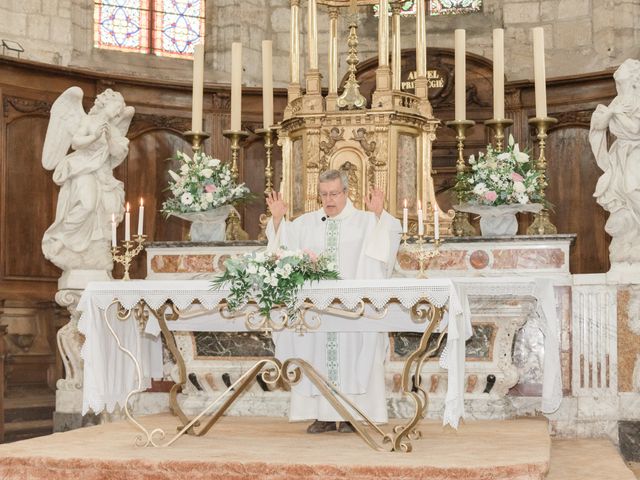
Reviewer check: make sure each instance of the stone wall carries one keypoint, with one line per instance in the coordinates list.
(581, 36)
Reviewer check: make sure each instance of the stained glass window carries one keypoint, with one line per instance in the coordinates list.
(454, 7)
(162, 27)
(408, 8)
(439, 7)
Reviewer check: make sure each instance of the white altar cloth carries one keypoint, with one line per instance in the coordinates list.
(109, 375)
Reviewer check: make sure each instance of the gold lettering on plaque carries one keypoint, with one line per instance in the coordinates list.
(434, 79)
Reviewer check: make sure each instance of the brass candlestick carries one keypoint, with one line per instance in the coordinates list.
(130, 251)
(541, 224)
(267, 134)
(196, 139)
(235, 136)
(423, 254)
(461, 226)
(498, 125)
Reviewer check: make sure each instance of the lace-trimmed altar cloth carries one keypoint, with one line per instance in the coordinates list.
(109, 375)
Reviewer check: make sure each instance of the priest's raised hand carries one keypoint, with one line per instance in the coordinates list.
(375, 201)
(277, 207)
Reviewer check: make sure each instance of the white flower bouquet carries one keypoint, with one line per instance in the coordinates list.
(202, 183)
(272, 279)
(500, 178)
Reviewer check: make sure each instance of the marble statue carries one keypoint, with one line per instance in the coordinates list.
(618, 189)
(79, 238)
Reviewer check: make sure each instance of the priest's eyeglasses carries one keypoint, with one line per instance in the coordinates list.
(331, 195)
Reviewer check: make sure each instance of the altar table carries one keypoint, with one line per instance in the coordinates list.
(109, 375)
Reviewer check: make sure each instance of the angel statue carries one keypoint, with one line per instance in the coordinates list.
(618, 189)
(89, 194)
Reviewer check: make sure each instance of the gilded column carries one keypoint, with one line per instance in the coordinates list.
(382, 95)
(313, 74)
(396, 42)
(333, 59)
(421, 81)
(294, 53)
(312, 34)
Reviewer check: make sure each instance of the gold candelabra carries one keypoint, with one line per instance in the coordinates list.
(196, 139)
(461, 226)
(267, 134)
(423, 254)
(541, 224)
(498, 125)
(235, 136)
(131, 249)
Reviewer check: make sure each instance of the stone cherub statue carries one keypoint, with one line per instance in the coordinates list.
(618, 189)
(89, 194)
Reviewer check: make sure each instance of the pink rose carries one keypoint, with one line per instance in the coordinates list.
(312, 256)
(516, 177)
(210, 188)
(491, 195)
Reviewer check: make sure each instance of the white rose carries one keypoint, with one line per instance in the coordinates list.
(494, 177)
(207, 172)
(479, 189)
(187, 198)
(263, 271)
(214, 162)
(224, 182)
(518, 187)
(503, 156)
(208, 197)
(252, 269)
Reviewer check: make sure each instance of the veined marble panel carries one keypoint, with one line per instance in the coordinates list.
(460, 256)
(628, 338)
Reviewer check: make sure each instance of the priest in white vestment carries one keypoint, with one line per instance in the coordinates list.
(363, 245)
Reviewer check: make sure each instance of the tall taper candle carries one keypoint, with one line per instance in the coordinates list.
(405, 217)
(141, 217)
(420, 219)
(236, 86)
(436, 222)
(127, 224)
(267, 84)
(114, 236)
(498, 73)
(198, 80)
(460, 75)
(539, 73)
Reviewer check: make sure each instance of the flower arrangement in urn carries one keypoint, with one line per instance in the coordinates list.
(203, 192)
(272, 279)
(500, 184)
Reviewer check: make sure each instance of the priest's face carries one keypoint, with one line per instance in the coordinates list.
(333, 197)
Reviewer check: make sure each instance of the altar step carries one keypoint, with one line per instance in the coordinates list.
(28, 413)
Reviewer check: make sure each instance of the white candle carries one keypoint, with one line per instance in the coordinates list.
(405, 217)
(127, 224)
(141, 217)
(436, 223)
(539, 73)
(498, 73)
(460, 75)
(114, 236)
(420, 219)
(267, 84)
(236, 85)
(198, 81)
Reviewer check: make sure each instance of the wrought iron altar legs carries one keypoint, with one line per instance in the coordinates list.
(284, 375)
